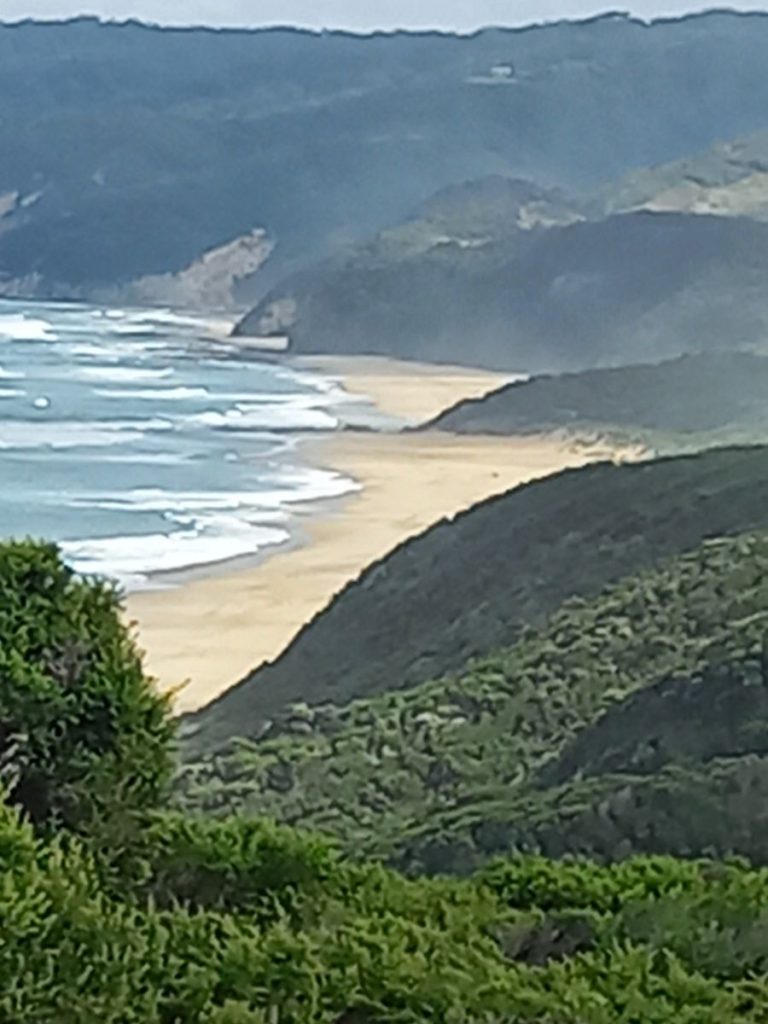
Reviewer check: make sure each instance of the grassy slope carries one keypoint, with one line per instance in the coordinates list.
(666, 667)
(468, 587)
(688, 401)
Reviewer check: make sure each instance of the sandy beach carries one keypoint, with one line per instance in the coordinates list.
(211, 631)
(414, 392)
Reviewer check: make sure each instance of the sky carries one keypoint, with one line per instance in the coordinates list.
(358, 15)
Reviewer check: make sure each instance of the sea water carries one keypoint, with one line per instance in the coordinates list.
(142, 446)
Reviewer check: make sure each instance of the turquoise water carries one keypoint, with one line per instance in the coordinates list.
(141, 446)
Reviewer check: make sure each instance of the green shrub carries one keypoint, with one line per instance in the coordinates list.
(380, 949)
(84, 739)
(524, 882)
(240, 866)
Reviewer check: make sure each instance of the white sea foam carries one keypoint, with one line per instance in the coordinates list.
(163, 319)
(143, 458)
(293, 485)
(127, 558)
(180, 394)
(112, 351)
(210, 526)
(62, 434)
(133, 488)
(125, 374)
(275, 417)
(23, 328)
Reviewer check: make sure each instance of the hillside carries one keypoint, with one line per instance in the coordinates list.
(468, 587)
(688, 401)
(131, 151)
(667, 668)
(731, 179)
(629, 288)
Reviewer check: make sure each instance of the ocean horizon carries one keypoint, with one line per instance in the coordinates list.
(142, 445)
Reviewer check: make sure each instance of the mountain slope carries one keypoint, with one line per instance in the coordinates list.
(130, 151)
(630, 288)
(470, 586)
(666, 668)
(731, 179)
(717, 396)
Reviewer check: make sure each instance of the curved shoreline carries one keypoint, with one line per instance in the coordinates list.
(226, 620)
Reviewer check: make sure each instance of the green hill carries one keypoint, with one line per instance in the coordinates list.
(689, 401)
(469, 586)
(130, 150)
(667, 668)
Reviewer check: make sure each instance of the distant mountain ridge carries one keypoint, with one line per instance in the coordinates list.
(222, 134)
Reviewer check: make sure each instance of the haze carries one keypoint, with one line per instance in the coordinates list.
(461, 15)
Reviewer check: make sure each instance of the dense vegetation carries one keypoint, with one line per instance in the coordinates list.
(179, 920)
(467, 587)
(221, 133)
(83, 740)
(666, 668)
(688, 402)
(650, 940)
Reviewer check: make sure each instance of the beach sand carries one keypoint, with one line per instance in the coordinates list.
(414, 392)
(210, 632)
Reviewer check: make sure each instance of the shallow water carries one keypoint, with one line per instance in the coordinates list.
(133, 441)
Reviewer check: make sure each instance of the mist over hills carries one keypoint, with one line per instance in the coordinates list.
(130, 151)
(633, 287)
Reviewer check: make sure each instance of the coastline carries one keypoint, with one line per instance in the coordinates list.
(412, 392)
(222, 621)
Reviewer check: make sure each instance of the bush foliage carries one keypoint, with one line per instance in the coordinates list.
(117, 910)
(84, 739)
(526, 941)
(552, 745)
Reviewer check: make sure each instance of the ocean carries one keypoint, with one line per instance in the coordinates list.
(142, 445)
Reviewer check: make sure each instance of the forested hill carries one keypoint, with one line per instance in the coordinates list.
(469, 586)
(129, 151)
(719, 396)
(596, 735)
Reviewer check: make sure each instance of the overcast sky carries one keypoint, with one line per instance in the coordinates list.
(353, 14)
